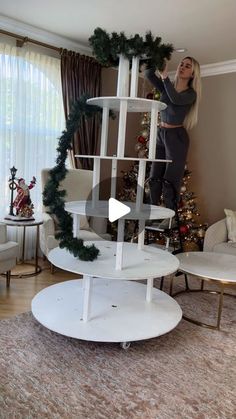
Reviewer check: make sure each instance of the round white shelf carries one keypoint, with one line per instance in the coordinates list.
(119, 311)
(148, 212)
(150, 262)
(101, 157)
(133, 104)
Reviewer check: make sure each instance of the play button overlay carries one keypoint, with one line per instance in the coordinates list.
(112, 204)
(117, 210)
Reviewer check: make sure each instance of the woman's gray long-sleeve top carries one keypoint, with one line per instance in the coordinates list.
(178, 103)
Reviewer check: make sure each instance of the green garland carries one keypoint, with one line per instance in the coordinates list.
(107, 48)
(53, 198)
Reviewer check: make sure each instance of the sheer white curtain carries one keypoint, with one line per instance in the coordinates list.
(31, 120)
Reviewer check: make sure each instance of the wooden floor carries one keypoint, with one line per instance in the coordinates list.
(17, 298)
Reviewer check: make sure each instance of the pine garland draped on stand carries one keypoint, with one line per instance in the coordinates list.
(53, 198)
(107, 48)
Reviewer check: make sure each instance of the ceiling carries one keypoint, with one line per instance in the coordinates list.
(205, 27)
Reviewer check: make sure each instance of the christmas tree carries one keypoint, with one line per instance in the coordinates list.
(190, 232)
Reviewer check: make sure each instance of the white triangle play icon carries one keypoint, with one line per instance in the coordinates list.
(117, 210)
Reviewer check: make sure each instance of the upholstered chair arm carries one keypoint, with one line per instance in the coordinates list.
(48, 224)
(215, 234)
(98, 224)
(3, 233)
(47, 229)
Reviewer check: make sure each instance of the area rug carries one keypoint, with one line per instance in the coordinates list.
(187, 373)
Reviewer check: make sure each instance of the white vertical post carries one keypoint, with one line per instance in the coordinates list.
(122, 128)
(113, 178)
(168, 238)
(141, 227)
(140, 184)
(96, 180)
(153, 133)
(76, 225)
(104, 133)
(149, 290)
(87, 284)
(123, 77)
(120, 244)
(134, 77)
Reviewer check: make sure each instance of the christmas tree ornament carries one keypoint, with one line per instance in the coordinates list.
(184, 229)
(145, 133)
(156, 96)
(138, 147)
(142, 153)
(201, 232)
(150, 96)
(141, 139)
(189, 215)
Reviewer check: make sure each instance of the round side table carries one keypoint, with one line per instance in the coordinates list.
(219, 268)
(31, 223)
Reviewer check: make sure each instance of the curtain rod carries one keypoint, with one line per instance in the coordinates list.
(21, 40)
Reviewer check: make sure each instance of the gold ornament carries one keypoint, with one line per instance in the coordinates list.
(144, 133)
(144, 122)
(138, 146)
(201, 233)
(156, 96)
(189, 216)
(142, 153)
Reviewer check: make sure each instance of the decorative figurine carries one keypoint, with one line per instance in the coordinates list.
(22, 203)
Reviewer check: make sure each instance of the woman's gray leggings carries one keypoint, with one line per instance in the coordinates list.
(166, 178)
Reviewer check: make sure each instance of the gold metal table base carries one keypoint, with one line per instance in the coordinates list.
(37, 268)
(22, 274)
(221, 294)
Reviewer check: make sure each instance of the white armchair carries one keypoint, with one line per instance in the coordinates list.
(8, 254)
(216, 239)
(78, 185)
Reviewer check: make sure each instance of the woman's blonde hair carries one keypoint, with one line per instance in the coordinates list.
(195, 82)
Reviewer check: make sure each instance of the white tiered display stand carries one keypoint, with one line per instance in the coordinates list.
(109, 304)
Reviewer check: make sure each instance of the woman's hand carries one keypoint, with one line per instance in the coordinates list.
(164, 73)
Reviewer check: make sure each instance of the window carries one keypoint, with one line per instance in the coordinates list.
(31, 118)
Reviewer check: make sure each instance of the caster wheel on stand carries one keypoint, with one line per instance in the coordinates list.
(125, 345)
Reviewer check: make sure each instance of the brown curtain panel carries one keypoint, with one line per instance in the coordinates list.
(81, 75)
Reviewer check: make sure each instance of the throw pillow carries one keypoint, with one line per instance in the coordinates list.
(231, 224)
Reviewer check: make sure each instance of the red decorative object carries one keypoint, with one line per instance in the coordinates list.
(141, 139)
(184, 229)
(22, 202)
(150, 96)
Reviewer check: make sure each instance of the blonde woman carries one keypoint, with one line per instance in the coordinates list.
(182, 98)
